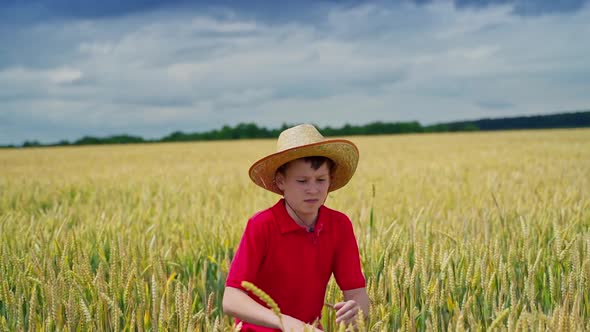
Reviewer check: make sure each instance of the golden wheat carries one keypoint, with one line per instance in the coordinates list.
(470, 231)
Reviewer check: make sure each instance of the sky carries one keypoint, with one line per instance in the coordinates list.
(70, 68)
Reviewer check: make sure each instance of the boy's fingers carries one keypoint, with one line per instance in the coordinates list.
(345, 314)
(339, 305)
(347, 317)
(346, 307)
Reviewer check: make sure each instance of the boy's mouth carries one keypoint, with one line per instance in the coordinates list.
(315, 200)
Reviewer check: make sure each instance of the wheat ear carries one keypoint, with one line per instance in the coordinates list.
(265, 298)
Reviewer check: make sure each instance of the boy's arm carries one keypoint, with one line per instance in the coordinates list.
(238, 304)
(354, 300)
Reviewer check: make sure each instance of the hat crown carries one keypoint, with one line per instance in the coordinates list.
(305, 141)
(298, 136)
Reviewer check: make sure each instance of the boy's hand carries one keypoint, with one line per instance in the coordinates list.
(291, 324)
(346, 312)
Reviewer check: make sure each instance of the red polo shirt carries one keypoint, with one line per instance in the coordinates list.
(293, 265)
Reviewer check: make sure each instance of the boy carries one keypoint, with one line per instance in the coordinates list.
(291, 249)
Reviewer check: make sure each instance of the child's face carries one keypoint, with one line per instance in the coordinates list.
(304, 188)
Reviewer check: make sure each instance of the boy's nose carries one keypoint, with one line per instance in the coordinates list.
(313, 189)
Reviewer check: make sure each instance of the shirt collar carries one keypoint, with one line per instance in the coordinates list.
(287, 224)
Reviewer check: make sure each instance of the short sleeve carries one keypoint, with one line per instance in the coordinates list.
(249, 256)
(347, 264)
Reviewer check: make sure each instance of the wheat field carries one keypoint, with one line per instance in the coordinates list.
(463, 231)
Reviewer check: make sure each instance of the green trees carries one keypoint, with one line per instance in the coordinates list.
(251, 130)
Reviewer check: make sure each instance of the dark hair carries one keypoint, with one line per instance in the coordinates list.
(316, 163)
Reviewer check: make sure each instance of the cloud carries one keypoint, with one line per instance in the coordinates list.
(495, 104)
(530, 7)
(268, 10)
(155, 71)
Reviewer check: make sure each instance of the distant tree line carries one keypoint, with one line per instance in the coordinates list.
(251, 130)
(562, 120)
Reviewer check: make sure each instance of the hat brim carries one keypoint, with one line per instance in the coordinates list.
(342, 152)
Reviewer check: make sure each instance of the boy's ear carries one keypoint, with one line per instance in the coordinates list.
(280, 180)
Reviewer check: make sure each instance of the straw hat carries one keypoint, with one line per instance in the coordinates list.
(306, 141)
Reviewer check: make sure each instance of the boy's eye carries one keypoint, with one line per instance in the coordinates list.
(301, 181)
(321, 180)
